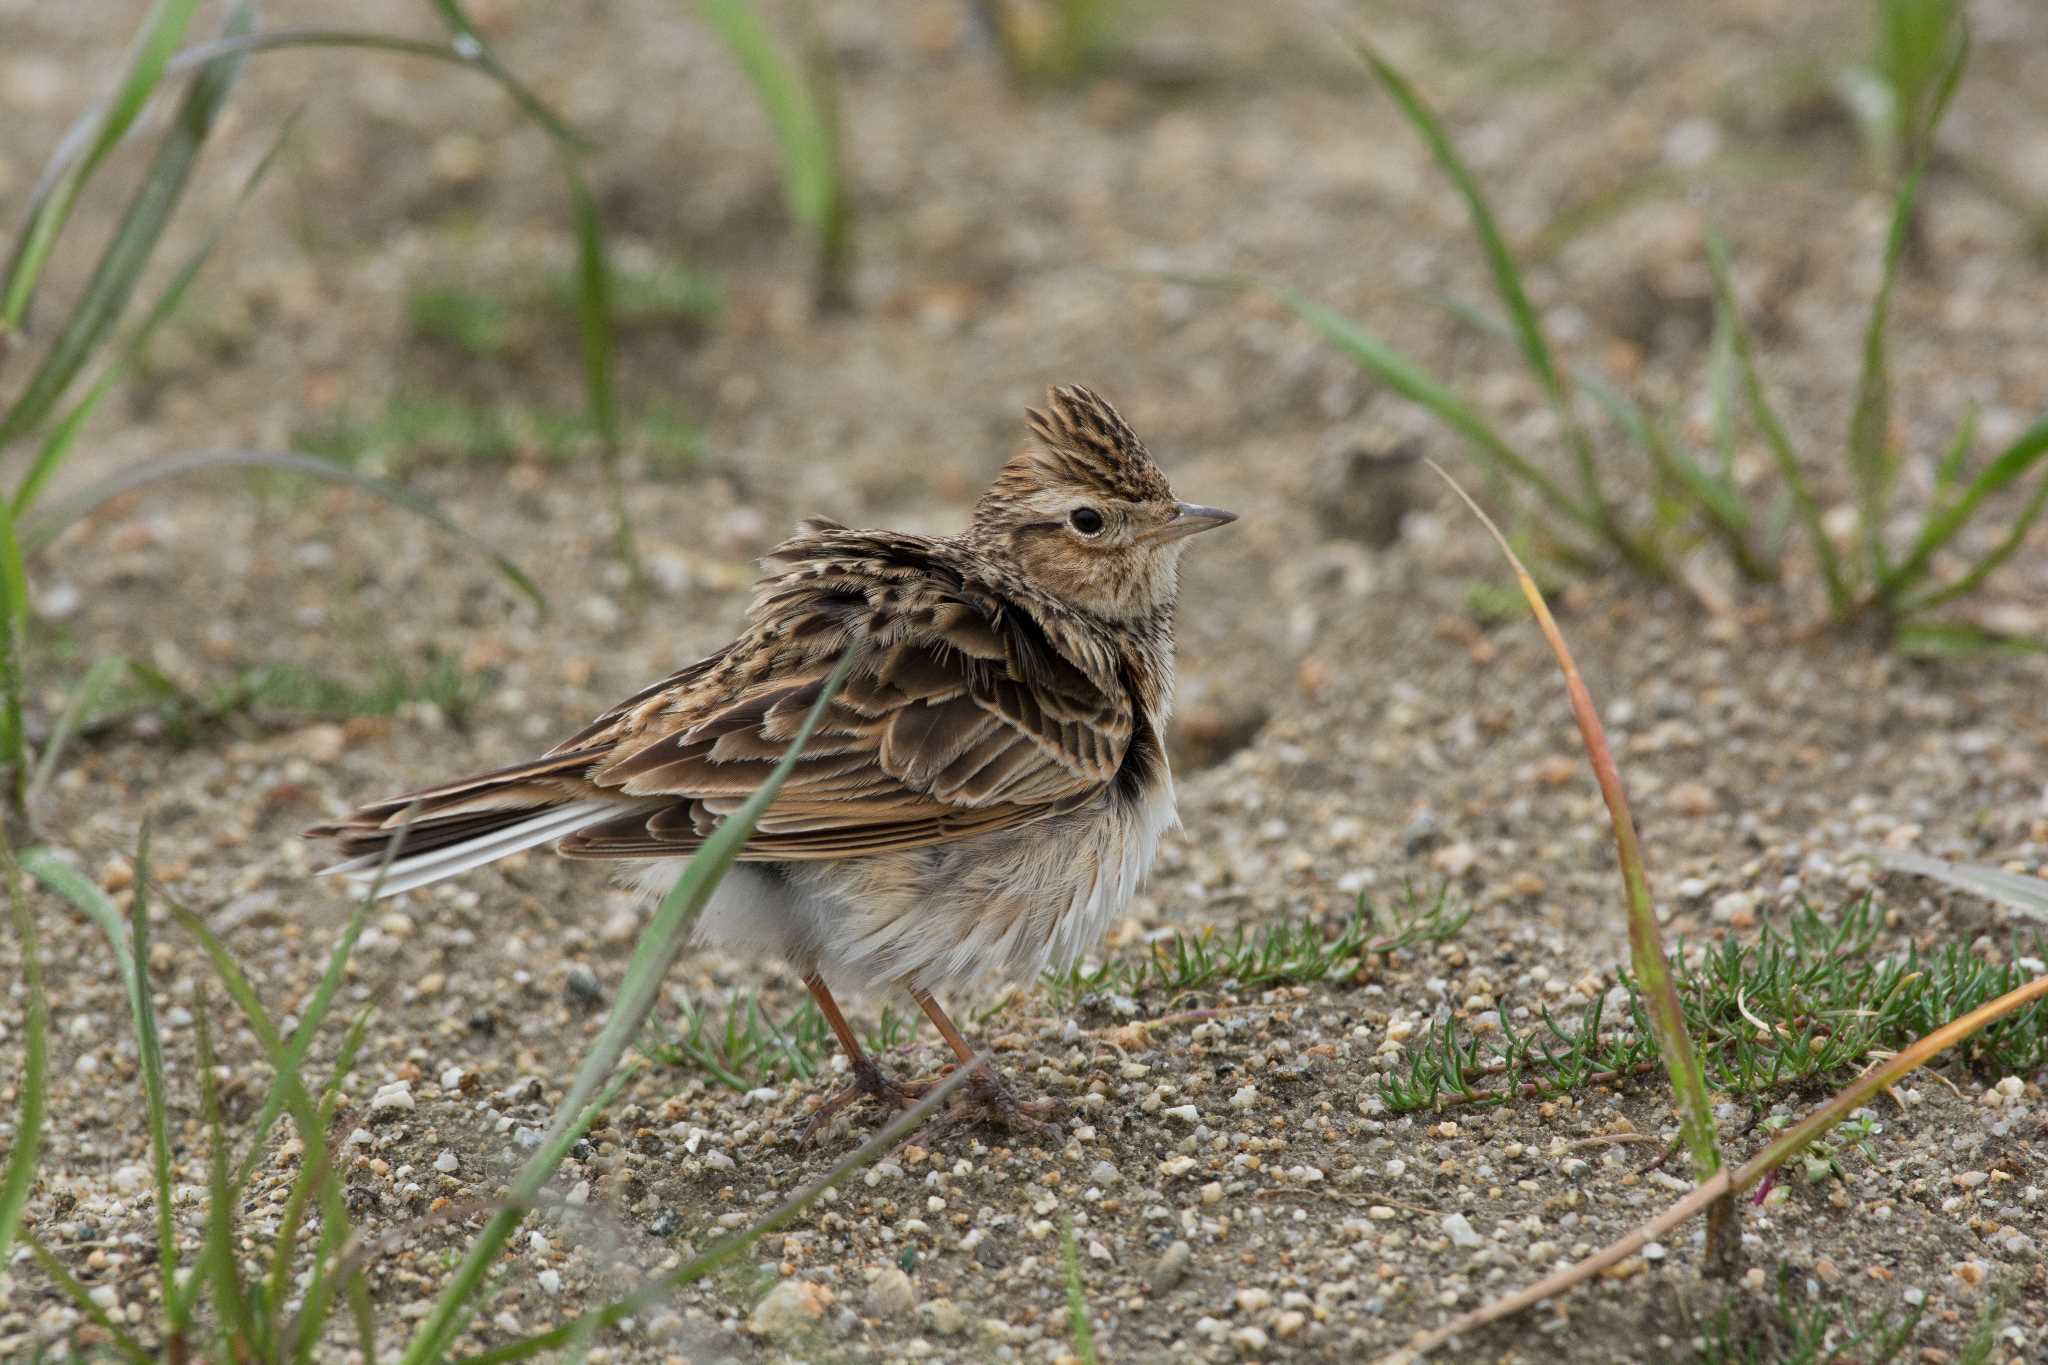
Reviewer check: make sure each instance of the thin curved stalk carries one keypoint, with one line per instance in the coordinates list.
(1767, 422)
(1646, 946)
(44, 526)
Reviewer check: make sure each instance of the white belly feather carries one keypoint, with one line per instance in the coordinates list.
(1010, 904)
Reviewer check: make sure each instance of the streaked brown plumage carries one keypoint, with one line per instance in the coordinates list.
(982, 797)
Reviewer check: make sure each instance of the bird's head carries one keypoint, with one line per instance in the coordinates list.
(1087, 516)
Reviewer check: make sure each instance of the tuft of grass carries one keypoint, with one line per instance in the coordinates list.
(1795, 1329)
(253, 1313)
(745, 1046)
(119, 689)
(55, 403)
(648, 292)
(1811, 1001)
(467, 319)
(416, 426)
(1902, 586)
(302, 691)
(799, 92)
(1286, 954)
(222, 1297)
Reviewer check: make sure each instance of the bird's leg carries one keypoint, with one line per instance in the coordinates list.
(984, 1096)
(868, 1080)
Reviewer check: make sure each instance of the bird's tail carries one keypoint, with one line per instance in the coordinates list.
(444, 831)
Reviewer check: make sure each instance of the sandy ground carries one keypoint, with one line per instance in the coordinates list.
(1347, 723)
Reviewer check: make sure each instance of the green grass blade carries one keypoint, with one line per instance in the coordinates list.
(84, 701)
(287, 1060)
(595, 325)
(335, 1235)
(221, 1269)
(471, 49)
(1714, 497)
(808, 171)
(1507, 282)
(1949, 473)
(1873, 460)
(79, 139)
(130, 940)
(150, 1060)
(1723, 382)
(34, 1083)
(1079, 1329)
(13, 666)
(63, 435)
(2027, 895)
(113, 280)
(316, 1178)
(1959, 640)
(1500, 262)
(293, 1059)
(1992, 560)
(78, 891)
(1767, 422)
(1942, 524)
(660, 943)
(1412, 382)
(274, 40)
(835, 227)
(44, 526)
(50, 206)
(1922, 48)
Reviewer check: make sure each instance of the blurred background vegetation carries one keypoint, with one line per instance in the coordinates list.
(388, 246)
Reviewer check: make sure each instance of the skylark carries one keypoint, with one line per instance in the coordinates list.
(981, 800)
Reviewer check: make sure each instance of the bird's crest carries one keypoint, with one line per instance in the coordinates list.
(1082, 441)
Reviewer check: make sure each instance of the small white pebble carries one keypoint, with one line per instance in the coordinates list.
(1460, 1229)
(447, 1163)
(551, 1280)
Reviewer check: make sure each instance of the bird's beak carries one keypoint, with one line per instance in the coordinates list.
(1188, 518)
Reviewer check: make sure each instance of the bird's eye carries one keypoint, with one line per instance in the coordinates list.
(1086, 520)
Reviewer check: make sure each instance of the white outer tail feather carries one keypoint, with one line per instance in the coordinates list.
(408, 872)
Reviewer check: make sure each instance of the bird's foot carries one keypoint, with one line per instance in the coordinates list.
(870, 1084)
(985, 1099)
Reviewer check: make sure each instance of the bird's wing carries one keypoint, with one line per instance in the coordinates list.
(959, 717)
